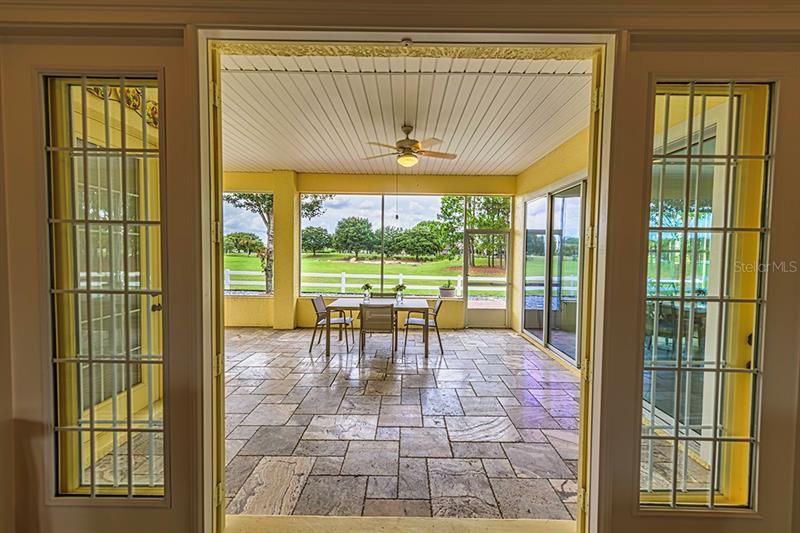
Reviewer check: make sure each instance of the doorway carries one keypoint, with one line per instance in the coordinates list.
(554, 233)
(495, 248)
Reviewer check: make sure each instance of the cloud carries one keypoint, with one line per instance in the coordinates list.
(235, 219)
(401, 211)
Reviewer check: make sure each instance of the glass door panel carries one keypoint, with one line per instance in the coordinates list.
(535, 266)
(565, 252)
(487, 277)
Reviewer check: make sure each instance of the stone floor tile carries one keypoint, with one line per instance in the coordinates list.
(321, 448)
(385, 388)
(273, 487)
(568, 423)
(528, 498)
(566, 489)
(498, 468)
(413, 479)
(390, 400)
(382, 487)
(360, 405)
(342, 427)
(371, 458)
(242, 433)
(276, 386)
(481, 429)
(327, 466)
(321, 401)
(433, 421)
(400, 415)
(493, 369)
(237, 471)
(269, 415)
(419, 381)
(564, 441)
(332, 496)
(397, 508)
(521, 382)
(490, 389)
(524, 417)
(531, 460)
(409, 396)
(440, 402)
(242, 403)
(532, 435)
(490, 450)
(424, 442)
(299, 420)
(482, 406)
(460, 488)
(385, 433)
(273, 440)
(232, 447)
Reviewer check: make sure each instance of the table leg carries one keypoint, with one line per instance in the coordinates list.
(328, 333)
(425, 331)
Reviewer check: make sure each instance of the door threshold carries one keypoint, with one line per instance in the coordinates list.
(390, 524)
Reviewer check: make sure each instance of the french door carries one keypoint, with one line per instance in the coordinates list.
(552, 272)
(486, 278)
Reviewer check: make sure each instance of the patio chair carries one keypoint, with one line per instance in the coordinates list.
(342, 321)
(377, 318)
(433, 322)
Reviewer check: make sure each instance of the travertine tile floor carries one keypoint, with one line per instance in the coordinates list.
(489, 429)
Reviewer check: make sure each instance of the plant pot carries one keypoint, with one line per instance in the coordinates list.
(447, 292)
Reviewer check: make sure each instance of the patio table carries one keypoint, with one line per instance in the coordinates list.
(354, 304)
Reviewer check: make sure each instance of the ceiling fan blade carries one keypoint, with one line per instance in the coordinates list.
(389, 146)
(430, 143)
(376, 157)
(440, 155)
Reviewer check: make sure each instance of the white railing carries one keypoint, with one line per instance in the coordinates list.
(343, 280)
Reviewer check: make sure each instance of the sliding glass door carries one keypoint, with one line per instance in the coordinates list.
(553, 242)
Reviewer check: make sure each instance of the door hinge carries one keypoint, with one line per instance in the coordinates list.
(216, 94)
(219, 364)
(216, 232)
(597, 96)
(591, 237)
(583, 501)
(219, 495)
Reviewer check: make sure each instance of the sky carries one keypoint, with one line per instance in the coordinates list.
(401, 211)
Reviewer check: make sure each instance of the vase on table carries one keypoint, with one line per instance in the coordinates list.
(399, 297)
(367, 296)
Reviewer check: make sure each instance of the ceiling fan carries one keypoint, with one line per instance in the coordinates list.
(408, 150)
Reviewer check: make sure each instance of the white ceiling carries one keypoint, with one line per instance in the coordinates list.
(315, 114)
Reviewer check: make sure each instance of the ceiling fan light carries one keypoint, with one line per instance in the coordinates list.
(407, 160)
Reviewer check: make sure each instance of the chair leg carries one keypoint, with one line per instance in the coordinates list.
(346, 342)
(436, 327)
(340, 332)
(405, 340)
(312, 339)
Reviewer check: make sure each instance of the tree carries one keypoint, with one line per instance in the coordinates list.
(393, 240)
(423, 240)
(353, 234)
(451, 215)
(315, 239)
(311, 205)
(243, 243)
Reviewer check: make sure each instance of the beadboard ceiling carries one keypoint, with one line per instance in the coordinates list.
(315, 114)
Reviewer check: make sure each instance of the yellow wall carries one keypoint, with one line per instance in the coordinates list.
(568, 159)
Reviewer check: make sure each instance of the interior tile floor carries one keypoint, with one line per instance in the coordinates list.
(488, 429)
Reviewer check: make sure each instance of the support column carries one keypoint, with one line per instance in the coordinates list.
(286, 241)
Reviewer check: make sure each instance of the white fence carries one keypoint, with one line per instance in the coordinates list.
(342, 281)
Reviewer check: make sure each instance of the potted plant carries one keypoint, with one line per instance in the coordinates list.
(399, 290)
(447, 290)
(367, 288)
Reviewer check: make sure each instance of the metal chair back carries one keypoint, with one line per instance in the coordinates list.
(437, 306)
(319, 305)
(377, 318)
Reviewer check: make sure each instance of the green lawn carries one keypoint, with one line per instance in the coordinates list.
(338, 263)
